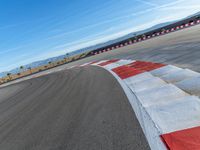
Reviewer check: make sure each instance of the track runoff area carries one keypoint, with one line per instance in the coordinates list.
(150, 100)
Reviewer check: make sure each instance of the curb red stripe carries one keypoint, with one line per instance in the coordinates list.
(125, 71)
(145, 66)
(108, 62)
(188, 139)
(135, 68)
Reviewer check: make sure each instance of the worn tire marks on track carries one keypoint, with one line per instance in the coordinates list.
(80, 108)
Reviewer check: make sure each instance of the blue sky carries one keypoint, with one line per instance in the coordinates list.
(32, 30)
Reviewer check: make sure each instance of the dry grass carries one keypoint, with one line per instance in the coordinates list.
(40, 68)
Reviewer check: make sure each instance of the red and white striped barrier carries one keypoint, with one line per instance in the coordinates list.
(177, 28)
(130, 42)
(191, 23)
(165, 100)
(186, 25)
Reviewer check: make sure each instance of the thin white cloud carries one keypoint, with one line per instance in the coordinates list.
(182, 7)
(147, 2)
(10, 50)
(85, 39)
(111, 20)
(104, 38)
(157, 7)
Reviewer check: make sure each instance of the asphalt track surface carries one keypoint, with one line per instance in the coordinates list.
(180, 48)
(86, 108)
(77, 109)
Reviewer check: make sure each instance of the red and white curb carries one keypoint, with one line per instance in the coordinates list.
(164, 99)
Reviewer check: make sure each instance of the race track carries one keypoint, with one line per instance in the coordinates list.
(78, 109)
(85, 108)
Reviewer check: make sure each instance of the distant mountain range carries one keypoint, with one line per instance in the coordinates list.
(44, 62)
